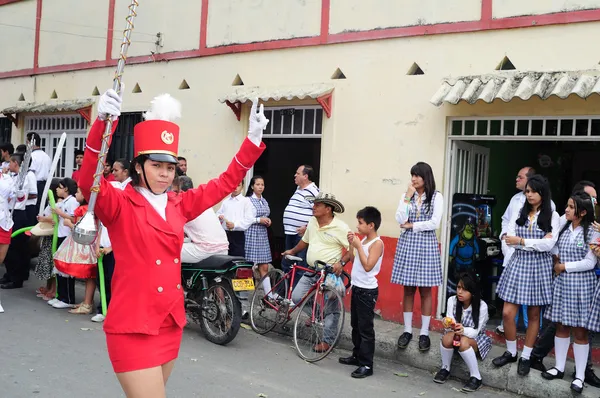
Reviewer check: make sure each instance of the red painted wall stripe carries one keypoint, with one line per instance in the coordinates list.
(486, 10)
(110, 28)
(4, 2)
(325, 12)
(38, 23)
(203, 24)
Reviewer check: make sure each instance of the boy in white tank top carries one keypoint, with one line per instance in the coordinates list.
(366, 256)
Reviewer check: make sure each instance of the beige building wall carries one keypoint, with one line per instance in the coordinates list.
(242, 21)
(511, 8)
(358, 15)
(382, 120)
(17, 22)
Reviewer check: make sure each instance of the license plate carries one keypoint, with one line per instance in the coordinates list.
(242, 284)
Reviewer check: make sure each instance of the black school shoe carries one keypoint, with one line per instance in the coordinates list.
(506, 358)
(590, 377)
(523, 367)
(472, 385)
(576, 388)
(424, 343)
(362, 372)
(441, 376)
(351, 360)
(537, 364)
(404, 340)
(550, 376)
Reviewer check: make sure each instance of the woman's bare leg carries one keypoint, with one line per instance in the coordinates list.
(167, 368)
(144, 383)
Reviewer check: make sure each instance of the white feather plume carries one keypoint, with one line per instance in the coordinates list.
(164, 107)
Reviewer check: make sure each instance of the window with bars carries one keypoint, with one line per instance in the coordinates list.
(294, 122)
(5, 129)
(542, 128)
(122, 142)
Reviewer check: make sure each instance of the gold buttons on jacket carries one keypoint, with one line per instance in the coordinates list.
(176, 261)
(160, 289)
(178, 286)
(158, 262)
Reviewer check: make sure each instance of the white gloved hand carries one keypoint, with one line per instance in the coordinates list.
(21, 195)
(258, 122)
(110, 104)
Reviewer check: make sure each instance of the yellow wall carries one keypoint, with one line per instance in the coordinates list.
(243, 21)
(353, 15)
(510, 8)
(17, 43)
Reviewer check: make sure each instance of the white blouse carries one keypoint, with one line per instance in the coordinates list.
(540, 245)
(158, 202)
(436, 218)
(7, 192)
(483, 316)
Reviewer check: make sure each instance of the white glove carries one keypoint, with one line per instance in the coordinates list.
(110, 104)
(21, 195)
(258, 122)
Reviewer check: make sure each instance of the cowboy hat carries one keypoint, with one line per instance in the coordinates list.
(42, 229)
(328, 199)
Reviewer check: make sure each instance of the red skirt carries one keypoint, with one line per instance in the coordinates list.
(5, 236)
(136, 351)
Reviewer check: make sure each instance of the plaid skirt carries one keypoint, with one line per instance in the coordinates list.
(527, 279)
(257, 247)
(593, 322)
(417, 260)
(572, 298)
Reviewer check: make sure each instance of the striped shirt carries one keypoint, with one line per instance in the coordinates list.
(299, 211)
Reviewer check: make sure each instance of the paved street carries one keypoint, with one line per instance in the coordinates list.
(49, 353)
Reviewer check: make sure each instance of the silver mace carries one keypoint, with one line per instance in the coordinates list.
(86, 230)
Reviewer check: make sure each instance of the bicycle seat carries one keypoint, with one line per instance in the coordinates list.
(293, 258)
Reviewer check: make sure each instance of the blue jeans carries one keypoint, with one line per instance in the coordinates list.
(290, 242)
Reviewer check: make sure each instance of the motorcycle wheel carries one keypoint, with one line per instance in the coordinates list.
(221, 313)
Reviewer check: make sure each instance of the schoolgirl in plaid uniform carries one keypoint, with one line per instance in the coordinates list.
(574, 284)
(257, 246)
(466, 318)
(527, 278)
(417, 260)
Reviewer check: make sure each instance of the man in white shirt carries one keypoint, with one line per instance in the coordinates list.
(298, 213)
(6, 151)
(40, 164)
(18, 256)
(236, 215)
(207, 237)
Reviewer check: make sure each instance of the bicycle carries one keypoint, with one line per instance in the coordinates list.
(320, 305)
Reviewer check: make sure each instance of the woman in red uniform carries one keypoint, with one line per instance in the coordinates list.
(145, 320)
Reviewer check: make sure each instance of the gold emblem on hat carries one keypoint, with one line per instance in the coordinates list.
(167, 137)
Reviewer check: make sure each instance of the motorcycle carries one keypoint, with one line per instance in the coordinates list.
(213, 289)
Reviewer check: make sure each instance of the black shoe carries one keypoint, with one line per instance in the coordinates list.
(506, 358)
(12, 285)
(441, 376)
(349, 361)
(524, 367)
(591, 378)
(538, 364)
(404, 340)
(550, 376)
(362, 372)
(472, 385)
(424, 343)
(4, 280)
(576, 388)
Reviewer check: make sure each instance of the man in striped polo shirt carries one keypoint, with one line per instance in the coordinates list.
(298, 212)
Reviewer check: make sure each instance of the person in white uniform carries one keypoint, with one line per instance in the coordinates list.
(40, 165)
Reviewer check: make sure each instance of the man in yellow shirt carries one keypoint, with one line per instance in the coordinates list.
(326, 237)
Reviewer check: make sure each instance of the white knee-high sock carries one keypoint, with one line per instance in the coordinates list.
(471, 360)
(408, 322)
(267, 286)
(511, 346)
(425, 325)
(580, 352)
(447, 354)
(561, 347)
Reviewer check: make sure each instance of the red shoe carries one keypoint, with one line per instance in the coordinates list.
(321, 347)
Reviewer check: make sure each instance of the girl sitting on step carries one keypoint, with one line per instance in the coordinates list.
(466, 317)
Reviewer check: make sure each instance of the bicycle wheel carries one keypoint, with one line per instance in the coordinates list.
(264, 310)
(320, 320)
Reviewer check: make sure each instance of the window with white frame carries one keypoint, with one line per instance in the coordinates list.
(294, 122)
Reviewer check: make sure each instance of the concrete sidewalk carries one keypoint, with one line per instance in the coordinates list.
(506, 378)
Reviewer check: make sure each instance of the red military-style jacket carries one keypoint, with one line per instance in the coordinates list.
(146, 285)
